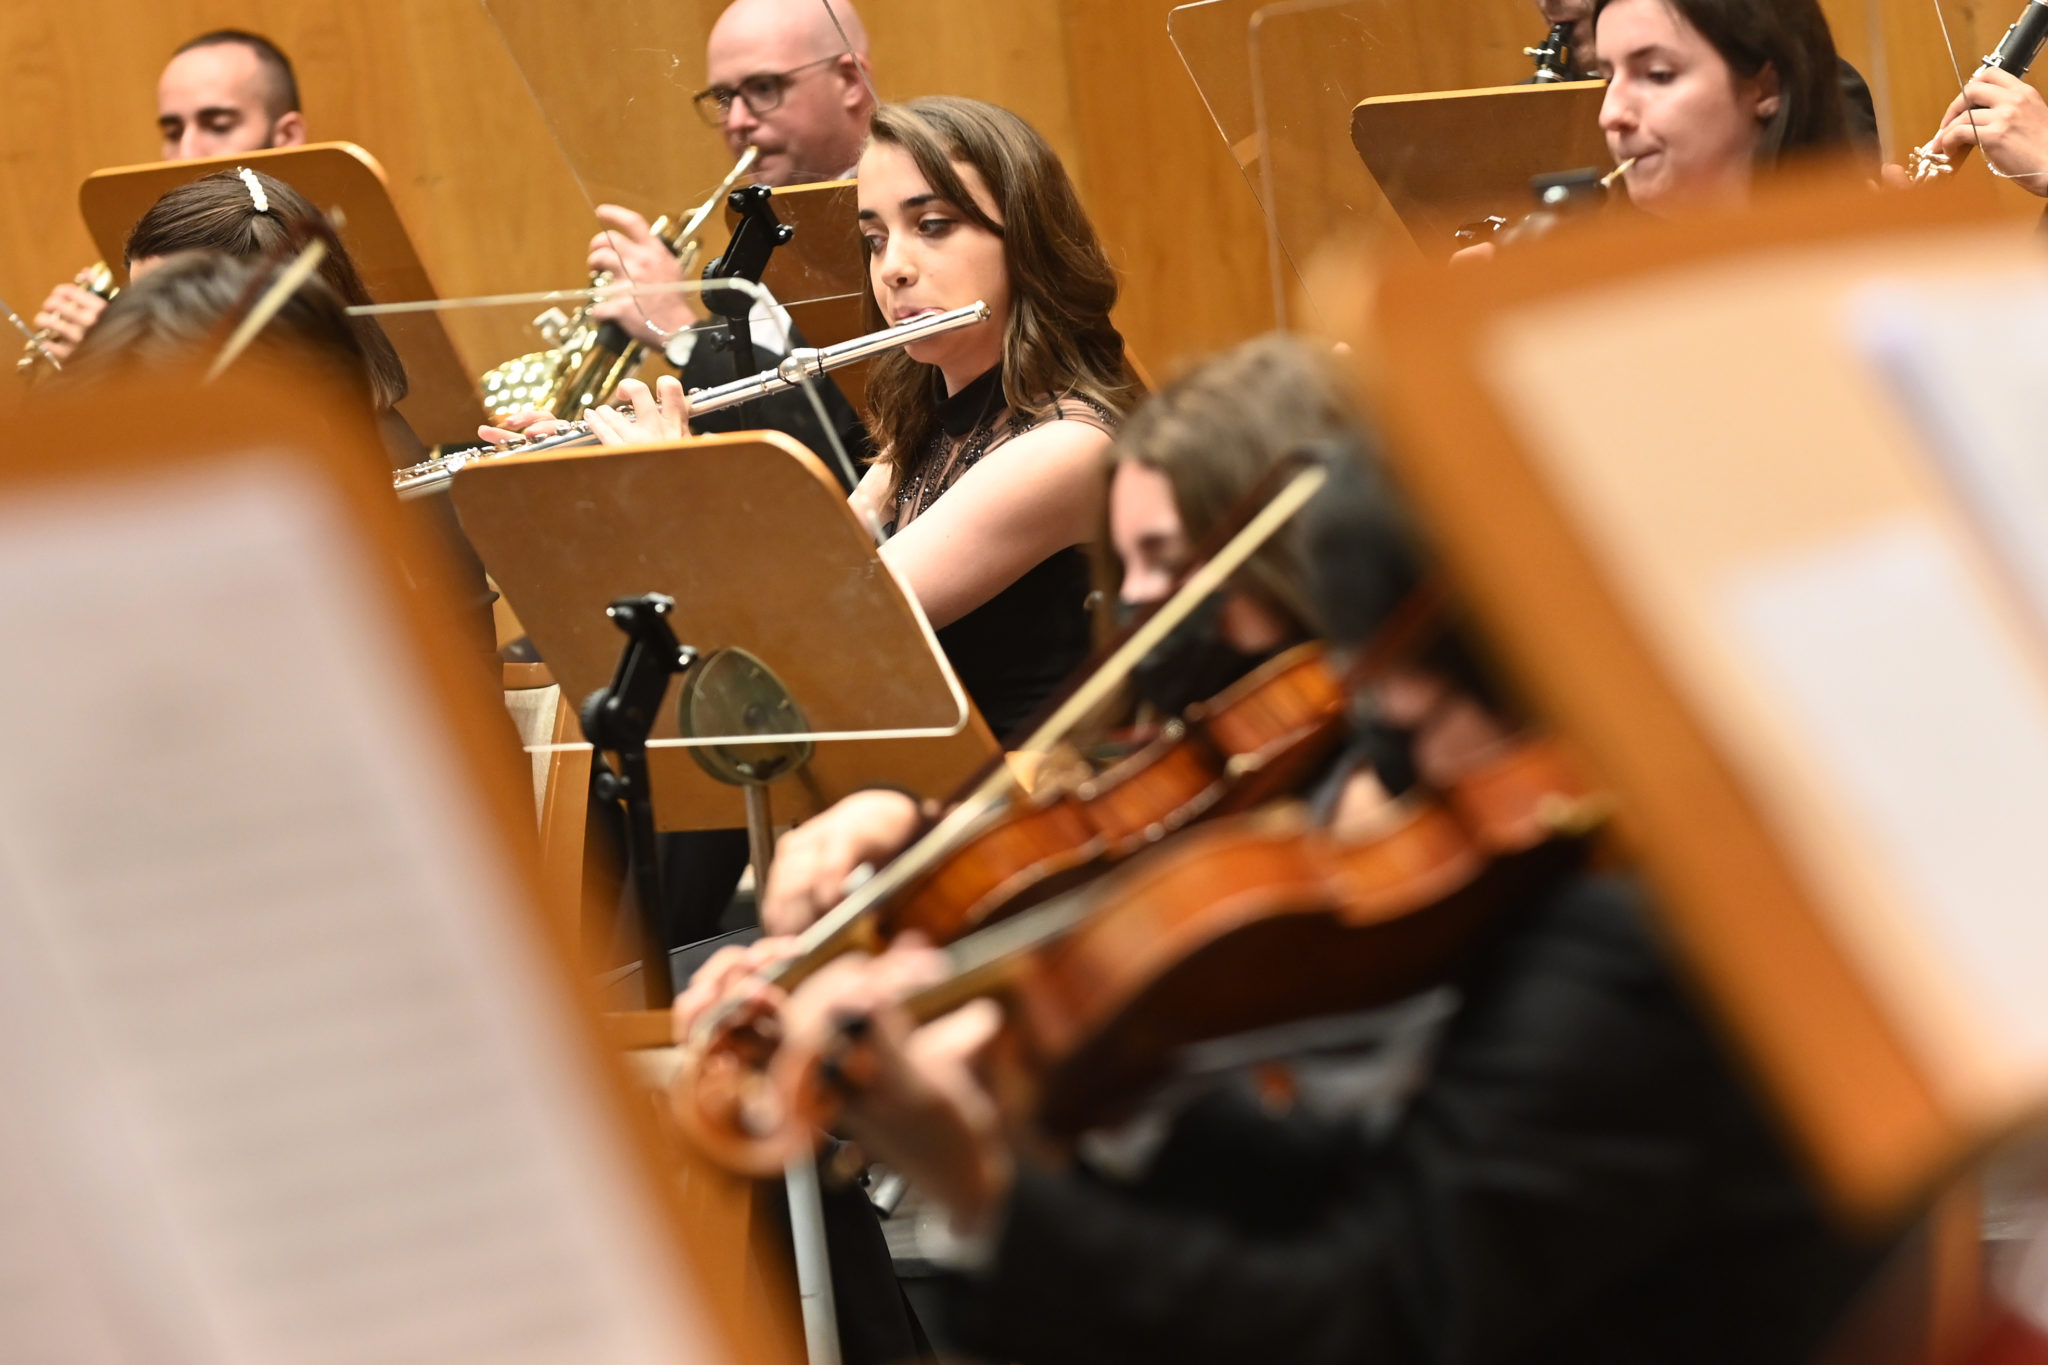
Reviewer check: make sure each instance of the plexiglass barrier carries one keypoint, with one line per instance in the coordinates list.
(1381, 126)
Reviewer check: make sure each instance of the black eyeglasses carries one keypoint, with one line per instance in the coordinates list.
(760, 92)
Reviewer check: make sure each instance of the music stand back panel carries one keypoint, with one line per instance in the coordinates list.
(1453, 157)
(347, 183)
(756, 542)
(1635, 443)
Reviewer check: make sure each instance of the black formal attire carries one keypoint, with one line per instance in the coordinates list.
(711, 363)
(1580, 1179)
(1014, 650)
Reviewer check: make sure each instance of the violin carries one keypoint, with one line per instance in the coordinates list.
(1261, 737)
(955, 887)
(1241, 925)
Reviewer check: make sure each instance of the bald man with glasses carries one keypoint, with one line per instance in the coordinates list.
(784, 78)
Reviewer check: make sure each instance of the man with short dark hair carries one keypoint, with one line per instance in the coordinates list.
(221, 93)
(228, 91)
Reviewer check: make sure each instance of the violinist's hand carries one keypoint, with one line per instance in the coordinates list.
(658, 417)
(732, 973)
(913, 1097)
(1474, 254)
(2008, 119)
(630, 252)
(68, 314)
(814, 861)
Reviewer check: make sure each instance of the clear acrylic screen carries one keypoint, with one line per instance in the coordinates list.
(1283, 83)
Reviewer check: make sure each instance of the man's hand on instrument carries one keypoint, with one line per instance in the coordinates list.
(659, 416)
(2009, 120)
(630, 253)
(814, 861)
(68, 314)
(912, 1097)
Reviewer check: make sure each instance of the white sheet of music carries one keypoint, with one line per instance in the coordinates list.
(1890, 663)
(1968, 360)
(280, 1080)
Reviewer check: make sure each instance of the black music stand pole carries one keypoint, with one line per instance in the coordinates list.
(619, 718)
(746, 257)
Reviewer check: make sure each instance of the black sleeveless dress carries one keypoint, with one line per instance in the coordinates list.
(1013, 651)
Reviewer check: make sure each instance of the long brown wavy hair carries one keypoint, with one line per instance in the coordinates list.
(1059, 342)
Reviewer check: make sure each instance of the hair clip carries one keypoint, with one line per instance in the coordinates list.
(256, 194)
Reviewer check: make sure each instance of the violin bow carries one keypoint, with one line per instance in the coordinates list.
(845, 926)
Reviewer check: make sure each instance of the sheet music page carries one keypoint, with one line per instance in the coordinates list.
(294, 1087)
(1886, 656)
(1969, 364)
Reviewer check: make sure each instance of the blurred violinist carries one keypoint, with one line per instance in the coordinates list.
(249, 216)
(182, 304)
(1554, 1162)
(1180, 466)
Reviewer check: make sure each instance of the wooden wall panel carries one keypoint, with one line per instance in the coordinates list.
(1165, 192)
(483, 181)
(1008, 52)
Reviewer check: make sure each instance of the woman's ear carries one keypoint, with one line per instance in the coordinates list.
(1770, 95)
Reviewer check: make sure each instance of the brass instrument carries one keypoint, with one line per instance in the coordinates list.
(2015, 55)
(586, 359)
(35, 352)
(804, 363)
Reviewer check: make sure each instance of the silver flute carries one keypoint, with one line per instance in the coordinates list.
(804, 363)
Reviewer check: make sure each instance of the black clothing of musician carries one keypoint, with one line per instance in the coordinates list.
(710, 364)
(1579, 1179)
(1015, 649)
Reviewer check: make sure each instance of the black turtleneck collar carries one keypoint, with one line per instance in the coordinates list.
(960, 413)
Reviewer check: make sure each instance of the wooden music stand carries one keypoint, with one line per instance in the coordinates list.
(1692, 518)
(824, 272)
(340, 1053)
(1454, 156)
(755, 541)
(349, 185)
